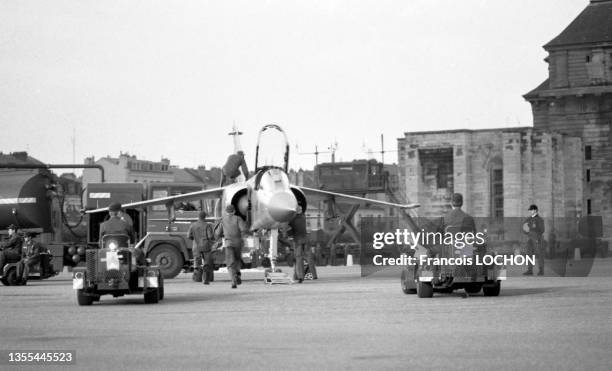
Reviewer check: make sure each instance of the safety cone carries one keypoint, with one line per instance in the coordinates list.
(577, 253)
(349, 260)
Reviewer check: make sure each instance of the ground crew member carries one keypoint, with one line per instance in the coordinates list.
(299, 234)
(533, 226)
(11, 249)
(31, 253)
(456, 220)
(231, 229)
(231, 169)
(126, 217)
(116, 225)
(201, 232)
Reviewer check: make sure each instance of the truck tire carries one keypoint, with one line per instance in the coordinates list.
(83, 299)
(424, 289)
(168, 258)
(492, 290)
(407, 282)
(151, 296)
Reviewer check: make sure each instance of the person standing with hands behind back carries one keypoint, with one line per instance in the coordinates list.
(533, 226)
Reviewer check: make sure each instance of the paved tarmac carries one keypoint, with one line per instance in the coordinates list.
(340, 321)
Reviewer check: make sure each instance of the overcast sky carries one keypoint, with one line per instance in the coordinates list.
(170, 78)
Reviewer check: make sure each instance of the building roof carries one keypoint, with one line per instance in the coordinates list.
(19, 158)
(457, 131)
(545, 85)
(593, 25)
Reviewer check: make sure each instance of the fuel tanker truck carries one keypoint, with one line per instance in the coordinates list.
(34, 199)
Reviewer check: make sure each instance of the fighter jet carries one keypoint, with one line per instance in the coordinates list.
(266, 201)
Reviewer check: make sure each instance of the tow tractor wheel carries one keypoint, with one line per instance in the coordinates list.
(10, 279)
(408, 283)
(424, 289)
(473, 288)
(151, 296)
(168, 258)
(83, 299)
(492, 290)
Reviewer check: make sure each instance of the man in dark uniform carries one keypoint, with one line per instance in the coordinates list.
(456, 220)
(201, 232)
(30, 257)
(11, 249)
(116, 225)
(231, 169)
(298, 232)
(533, 227)
(231, 229)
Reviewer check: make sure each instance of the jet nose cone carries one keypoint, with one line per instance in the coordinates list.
(282, 207)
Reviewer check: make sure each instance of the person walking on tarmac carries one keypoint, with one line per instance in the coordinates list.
(231, 228)
(231, 169)
(31, 251)
(201, 232)
(533, 227)
(10, 249)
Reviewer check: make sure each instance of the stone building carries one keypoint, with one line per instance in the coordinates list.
(128, 168)
(499, 171)
(563, 163)
(576, 99)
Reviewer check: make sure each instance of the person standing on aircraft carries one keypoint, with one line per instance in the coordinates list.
(11, 249)
(201, 232)
(533, 226)
(231, 229)
(231, 169)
